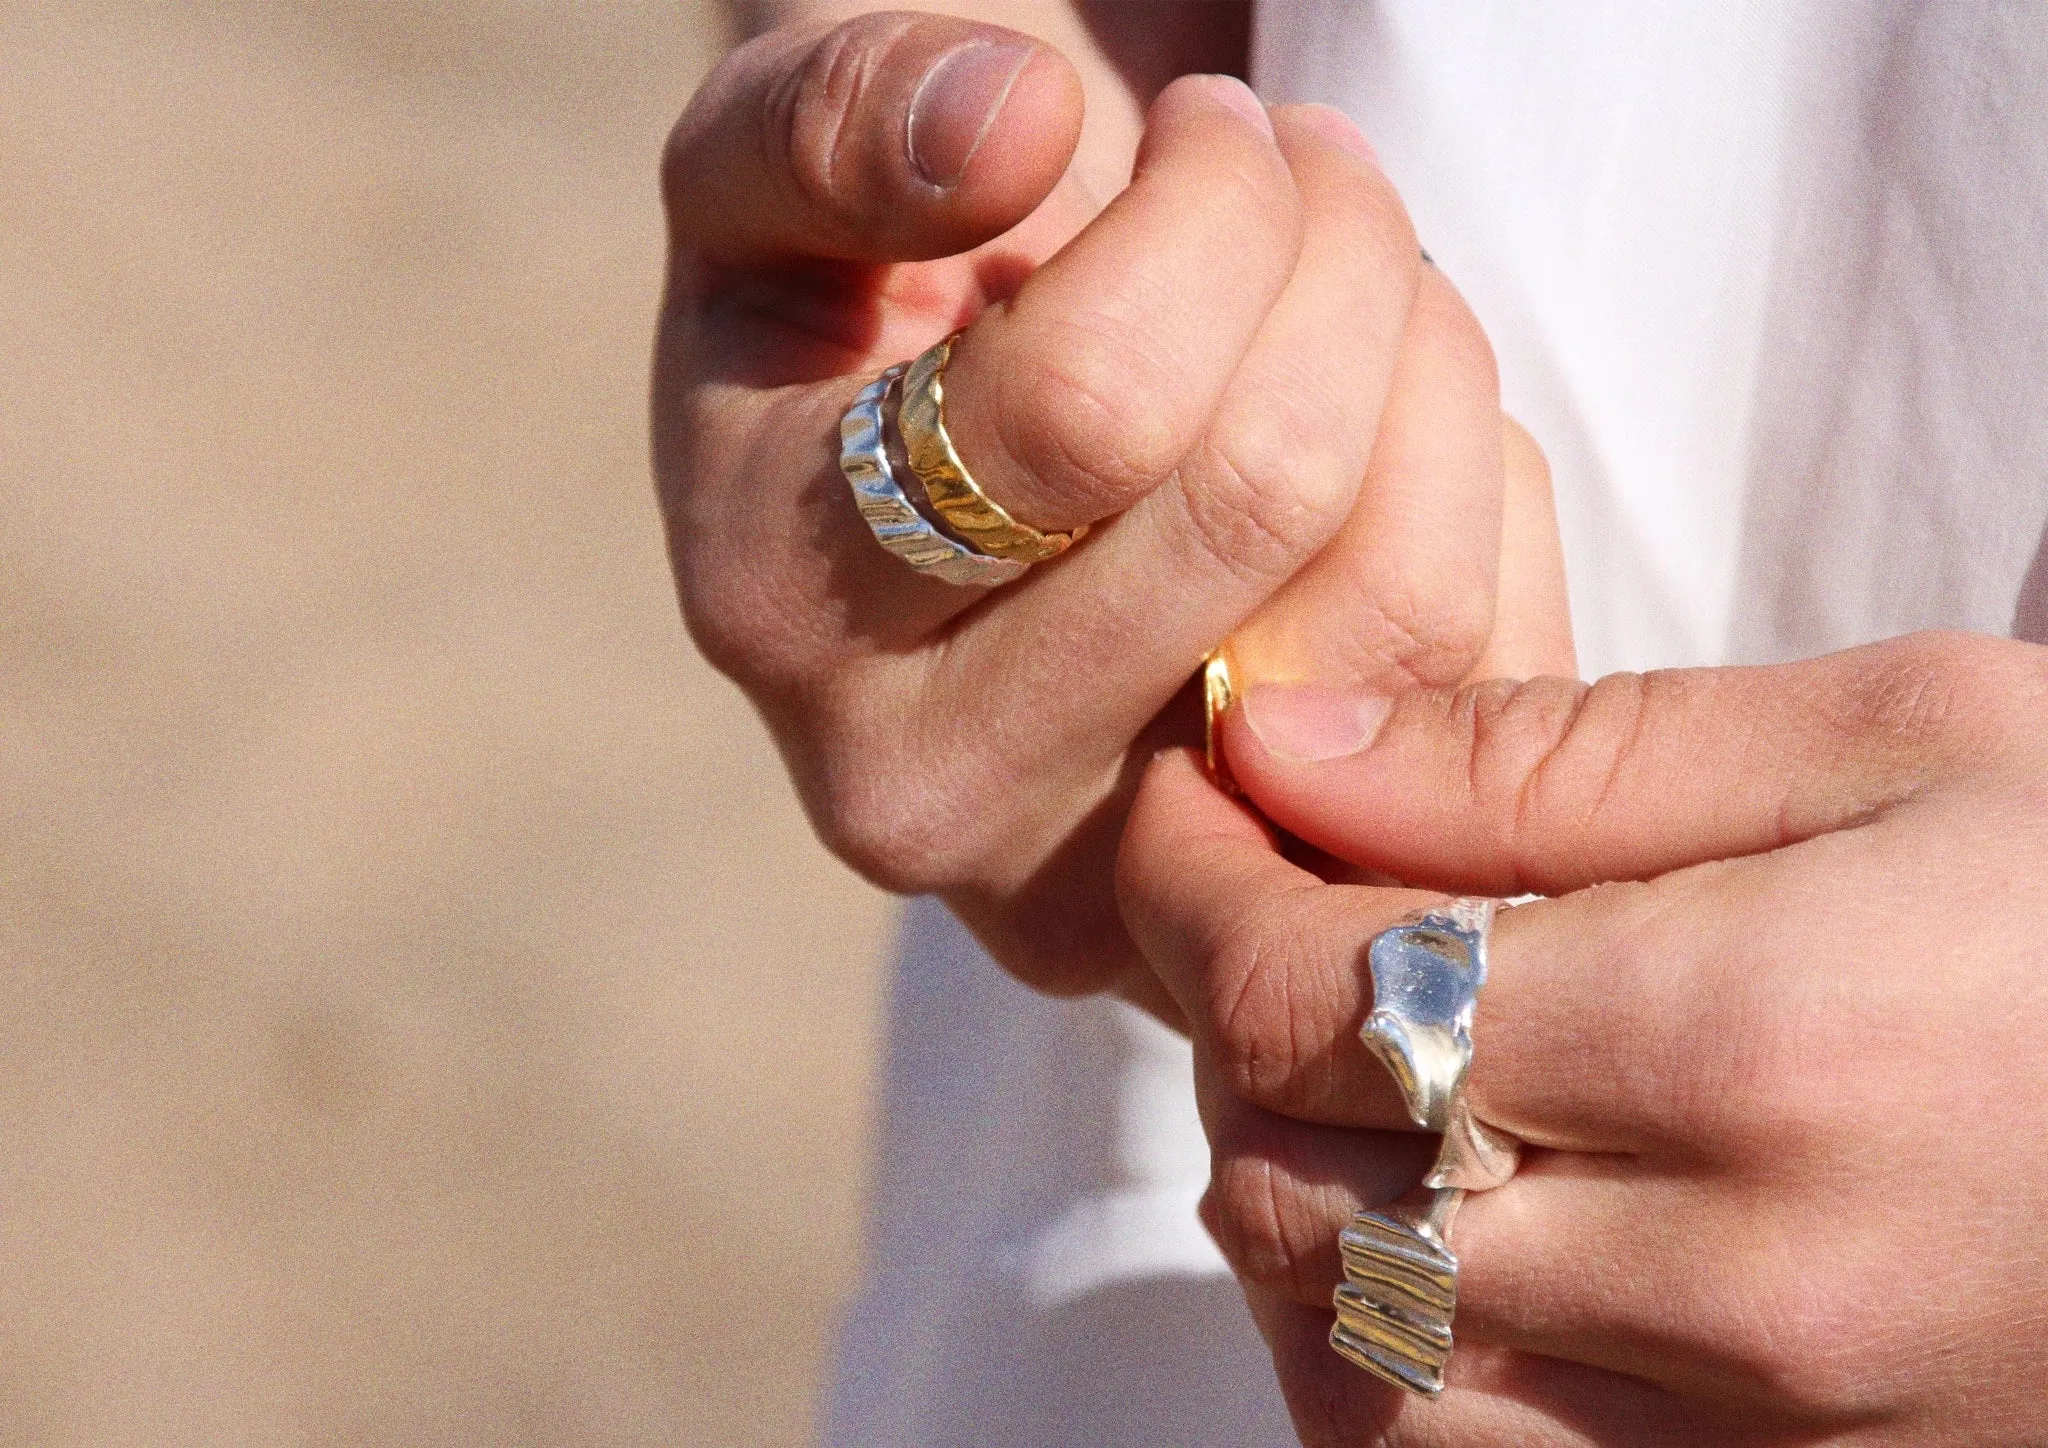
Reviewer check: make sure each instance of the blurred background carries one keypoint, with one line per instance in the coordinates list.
(426, 1016)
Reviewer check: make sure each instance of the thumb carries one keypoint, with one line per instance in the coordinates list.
(1552, 785)
(891, 137)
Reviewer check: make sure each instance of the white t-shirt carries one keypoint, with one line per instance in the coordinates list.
(1769, 282)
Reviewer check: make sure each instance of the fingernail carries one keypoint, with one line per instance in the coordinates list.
(1228, 90)
(1308, 723)
(1340, 130)
(956, 103)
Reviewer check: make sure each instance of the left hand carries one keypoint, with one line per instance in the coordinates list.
(1286, 426)
(1787, 1098)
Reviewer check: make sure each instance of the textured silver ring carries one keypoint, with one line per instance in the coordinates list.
(1400, 1287)
(894, 520)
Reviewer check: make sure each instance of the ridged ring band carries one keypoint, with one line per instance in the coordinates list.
(955, 496)
(890, 515)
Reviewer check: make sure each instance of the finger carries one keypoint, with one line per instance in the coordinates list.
(1550, 785)
(1493, 1397)
(1532, 623)
(783, 586)
(1265, 961)
(1496, 1392)
(1587, 1260)
(1084, 391)
(1277, 471)
(1596, 1260)
(1406, 591)
(1280, 1190)
(1572, 1258)
(751, 554)
(805, 145)
(1605, 1024)
(1333, 1404)
(892, 137)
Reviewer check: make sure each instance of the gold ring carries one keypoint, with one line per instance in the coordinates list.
(1219, 691)
(977, 518)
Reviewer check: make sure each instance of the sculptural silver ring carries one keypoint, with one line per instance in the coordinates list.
(1400, 1286)
(873, 474)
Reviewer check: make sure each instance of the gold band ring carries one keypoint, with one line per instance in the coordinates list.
(977, 518)
(1219, 692)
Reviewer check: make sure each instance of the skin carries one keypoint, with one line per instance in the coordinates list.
(1199, 326)
(1775, 1041)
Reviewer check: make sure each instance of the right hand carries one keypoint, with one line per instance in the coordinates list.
(1772, 1042)
(1291, 425)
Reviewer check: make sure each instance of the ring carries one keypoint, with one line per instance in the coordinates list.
(1219, 692)
(894, 520)
(955, 496)
(1400, 1287)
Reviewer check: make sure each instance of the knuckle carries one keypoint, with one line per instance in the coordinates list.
(676, 178)
(1533, 750)
(719, 633)
(1386, 238)
(1253, 505)
(898, 849)
(876, 800)
(727, 98)
(699, 120)
(1430, 631)
(1258, 200)
(736, 613)
(1797, 1330)
(1249, 1007)
(1910, 696)
(887, 825)
(723, 615)
(1941, 693)
(1356, 214)
(810, 110)
(1456, 334)
(1527, 463)
(1714, 1042)
(1080, 425)
(1266, 1229)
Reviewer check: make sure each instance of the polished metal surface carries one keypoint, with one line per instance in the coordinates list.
(891, 516)
(1400, 1287)
(954, 494)
(1219, 692)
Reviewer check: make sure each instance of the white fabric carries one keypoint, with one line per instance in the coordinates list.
(1768, 282)
(1039, 1277)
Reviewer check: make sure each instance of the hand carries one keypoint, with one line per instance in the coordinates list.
(1239, 360)
(1787, 1094)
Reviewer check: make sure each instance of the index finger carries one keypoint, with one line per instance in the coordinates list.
(1599, 1019)
(1265, 960)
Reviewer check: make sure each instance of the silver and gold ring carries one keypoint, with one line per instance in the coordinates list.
(950, 487)
(894, 438)
(890, 515)
(1400, 1288)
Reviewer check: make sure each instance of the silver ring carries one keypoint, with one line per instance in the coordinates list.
(1400, 1287)
(891, 516)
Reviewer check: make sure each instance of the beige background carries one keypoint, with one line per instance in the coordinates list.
(426, 1018)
